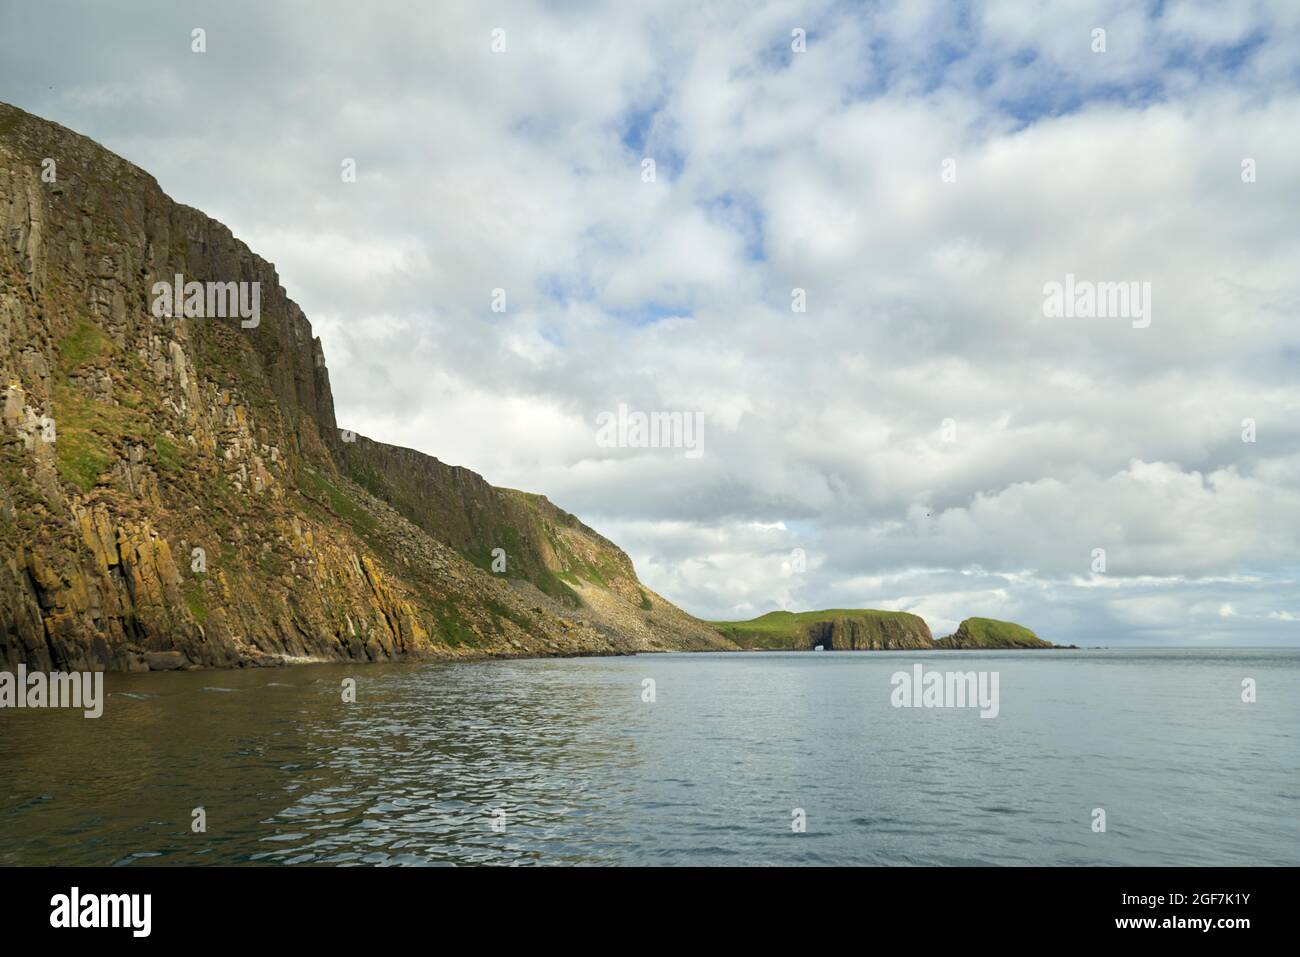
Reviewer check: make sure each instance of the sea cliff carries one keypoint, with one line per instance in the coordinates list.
(175, 491)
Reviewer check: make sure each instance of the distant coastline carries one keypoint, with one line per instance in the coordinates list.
(867, 629)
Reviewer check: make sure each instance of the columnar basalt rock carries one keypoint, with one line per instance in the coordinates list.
(175, 492)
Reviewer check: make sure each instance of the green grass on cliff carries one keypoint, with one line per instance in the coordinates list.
(786, 629)
(783, 621)
(452, 629)
(991, 633)
(87, 428)
(85, 342)
(170, 456)
(361, 521)
(194, 598)
(83, 450)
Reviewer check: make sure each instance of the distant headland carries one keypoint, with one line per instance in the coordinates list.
(866, 629)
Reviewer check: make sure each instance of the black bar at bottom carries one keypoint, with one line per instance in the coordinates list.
(330, 906)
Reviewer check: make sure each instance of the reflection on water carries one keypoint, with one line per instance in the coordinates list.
(710, 772)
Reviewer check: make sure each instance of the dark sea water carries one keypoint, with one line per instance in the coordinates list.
(711, 772)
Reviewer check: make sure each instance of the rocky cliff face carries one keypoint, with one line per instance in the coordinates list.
(175, 491)
(881, 634)
(869, 630)
(833, 630)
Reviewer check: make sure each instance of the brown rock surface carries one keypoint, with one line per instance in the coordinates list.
(174, 492)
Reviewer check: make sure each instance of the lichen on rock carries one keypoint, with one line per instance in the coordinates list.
(129, 440)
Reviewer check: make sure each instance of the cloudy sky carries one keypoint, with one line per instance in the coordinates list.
(923, 432)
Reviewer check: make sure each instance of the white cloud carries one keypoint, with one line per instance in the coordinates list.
(819, 170)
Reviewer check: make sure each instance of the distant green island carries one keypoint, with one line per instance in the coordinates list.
(991, 633)
(866, 629)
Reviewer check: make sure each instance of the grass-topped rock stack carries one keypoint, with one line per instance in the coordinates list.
(991, 633)
(865, 629)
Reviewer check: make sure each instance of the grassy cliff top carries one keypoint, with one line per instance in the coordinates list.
(855, 627)
(783, 621)
(991, 633)
(870, 629)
